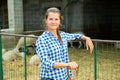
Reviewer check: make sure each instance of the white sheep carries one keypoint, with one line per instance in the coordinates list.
(35, 60)
(12, 55)
(29, 41)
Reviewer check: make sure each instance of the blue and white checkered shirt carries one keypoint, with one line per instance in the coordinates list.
(50, 50)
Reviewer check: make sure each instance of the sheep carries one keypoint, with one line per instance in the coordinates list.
(35, 60)
(79, 42)
(29, 49)
(30, 42)
(12, 55)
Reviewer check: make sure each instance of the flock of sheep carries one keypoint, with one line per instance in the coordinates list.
(18, 51)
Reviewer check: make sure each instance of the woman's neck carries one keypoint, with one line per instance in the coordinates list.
(54, 32)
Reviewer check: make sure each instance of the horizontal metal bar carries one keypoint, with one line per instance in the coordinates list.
(33, 31)
(18, 35)
(108, 41)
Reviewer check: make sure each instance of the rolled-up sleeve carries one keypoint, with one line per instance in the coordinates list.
(42, 51)
(70, 36)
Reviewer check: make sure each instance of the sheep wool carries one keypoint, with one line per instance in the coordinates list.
(34, 60)
(29, 41)
(11, 55)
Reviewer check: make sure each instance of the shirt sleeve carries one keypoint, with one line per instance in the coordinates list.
(42, 51)
(74, 36)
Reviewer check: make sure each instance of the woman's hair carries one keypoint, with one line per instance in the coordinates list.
(54, 10)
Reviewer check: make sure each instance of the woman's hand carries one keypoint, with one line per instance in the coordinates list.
(89, 43)
(73, 65)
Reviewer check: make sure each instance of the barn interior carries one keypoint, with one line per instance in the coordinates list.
(99, 19)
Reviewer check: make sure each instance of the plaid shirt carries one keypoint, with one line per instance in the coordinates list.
(50, 50)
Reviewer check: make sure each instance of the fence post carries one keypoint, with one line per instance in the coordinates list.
(1, 69)
(95, 61)
(25, 69)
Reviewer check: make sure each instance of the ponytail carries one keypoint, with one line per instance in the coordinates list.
(59, 37)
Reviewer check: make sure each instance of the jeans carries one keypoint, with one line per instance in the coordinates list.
(46, 79)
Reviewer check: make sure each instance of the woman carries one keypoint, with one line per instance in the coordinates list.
(52, 48)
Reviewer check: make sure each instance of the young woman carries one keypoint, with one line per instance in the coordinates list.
(52, 48)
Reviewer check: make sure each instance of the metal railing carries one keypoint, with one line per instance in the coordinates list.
(106, 59)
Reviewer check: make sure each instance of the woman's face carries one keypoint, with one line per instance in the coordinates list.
(53, 21)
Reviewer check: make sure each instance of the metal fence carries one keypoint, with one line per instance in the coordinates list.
(104, 64)
(107, 60)
(15, 62)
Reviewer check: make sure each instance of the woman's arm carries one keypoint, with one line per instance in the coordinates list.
(72, 65)
(60, 65)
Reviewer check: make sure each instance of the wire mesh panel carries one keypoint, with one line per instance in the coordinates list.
(104, 64)
(12, 61)
(17, 64)
(108, 60)
(85, 61)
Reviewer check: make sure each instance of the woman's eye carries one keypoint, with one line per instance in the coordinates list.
(56, 19)
(50, 19)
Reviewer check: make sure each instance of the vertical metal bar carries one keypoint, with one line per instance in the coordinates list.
(1, 69)
(25, 69)
(107, 62)
(95, 61)
(117, 56)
